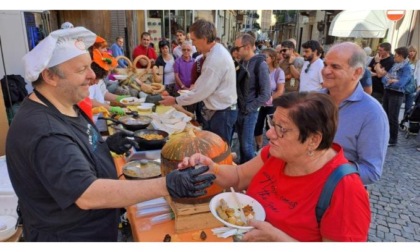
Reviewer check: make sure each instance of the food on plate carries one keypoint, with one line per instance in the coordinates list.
(151, 136)
(231, 215)
(127, 101)
(130, 101)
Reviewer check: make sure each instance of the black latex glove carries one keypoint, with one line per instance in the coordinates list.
(189, 182)
(119, 144)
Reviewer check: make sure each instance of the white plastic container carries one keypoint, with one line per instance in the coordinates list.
(8, 198)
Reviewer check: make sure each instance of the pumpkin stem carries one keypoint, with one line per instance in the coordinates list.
(191, 132)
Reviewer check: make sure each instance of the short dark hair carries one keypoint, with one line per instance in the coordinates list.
(204, 29)
(181, 31)
(386, 46)
(163, 43)
(247, 39)
(313, 45)
(145, 34)
(312, 113)
(119, 37)
(99, 71)
(288, 44)
(403, 51)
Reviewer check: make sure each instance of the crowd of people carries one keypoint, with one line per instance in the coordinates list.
(316, 110)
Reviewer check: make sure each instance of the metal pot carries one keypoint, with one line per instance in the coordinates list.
(141, 169)
(131, 122)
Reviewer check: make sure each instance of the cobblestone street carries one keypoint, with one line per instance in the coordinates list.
(395, 199)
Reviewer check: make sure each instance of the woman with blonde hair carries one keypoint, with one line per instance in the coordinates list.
(415, 70)
(277, 80)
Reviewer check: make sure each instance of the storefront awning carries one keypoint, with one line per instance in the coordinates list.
(360, 24)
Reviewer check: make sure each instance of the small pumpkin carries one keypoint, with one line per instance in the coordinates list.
(187, 143)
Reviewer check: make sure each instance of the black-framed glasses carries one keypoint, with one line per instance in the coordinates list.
(280, 131)
(284, 50)
(307, 68)
(239, 47)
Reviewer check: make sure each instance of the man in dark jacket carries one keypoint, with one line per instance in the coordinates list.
(259, 92)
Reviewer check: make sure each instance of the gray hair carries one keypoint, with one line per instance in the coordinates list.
(55, 70)
(358, 55)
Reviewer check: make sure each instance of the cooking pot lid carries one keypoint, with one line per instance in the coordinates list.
(130, 120)
(142, 169)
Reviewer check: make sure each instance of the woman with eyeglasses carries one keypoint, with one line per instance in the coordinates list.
(277, 80)
(288, 175)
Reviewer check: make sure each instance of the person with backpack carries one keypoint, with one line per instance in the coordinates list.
(258, 92)
(294, 175)
(363, 129)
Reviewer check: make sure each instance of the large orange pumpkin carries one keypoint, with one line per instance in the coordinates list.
(195, 141)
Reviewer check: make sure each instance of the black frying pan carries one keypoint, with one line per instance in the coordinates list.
(131, 122)
(144, 143)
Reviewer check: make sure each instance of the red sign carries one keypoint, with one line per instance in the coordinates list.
(395, 15)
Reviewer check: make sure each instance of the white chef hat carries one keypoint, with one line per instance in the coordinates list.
(60, 46)
(67, 25)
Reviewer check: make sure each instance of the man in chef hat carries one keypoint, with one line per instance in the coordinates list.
(60, 168)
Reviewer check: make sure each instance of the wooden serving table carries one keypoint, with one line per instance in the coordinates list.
(157, 232)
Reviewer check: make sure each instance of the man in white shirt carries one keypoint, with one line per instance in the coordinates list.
(216, 85)
(310, 76)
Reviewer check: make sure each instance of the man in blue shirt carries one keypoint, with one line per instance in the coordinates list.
(117, 50)
(363, 129)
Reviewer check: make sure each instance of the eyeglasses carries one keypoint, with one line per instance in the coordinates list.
(307, 68)
(284, 50)
(186, 50)
(238, 47)
(280, 131)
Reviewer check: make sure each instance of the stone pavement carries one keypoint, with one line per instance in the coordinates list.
(395, 198)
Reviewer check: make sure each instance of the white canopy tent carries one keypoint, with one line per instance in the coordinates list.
(360, 24)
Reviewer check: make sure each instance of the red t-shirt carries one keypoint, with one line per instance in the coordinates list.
(147, 51)
(290, 201)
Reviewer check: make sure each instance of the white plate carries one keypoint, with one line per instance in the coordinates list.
(120, 77)
(148, 104)
(244, 200)
(130, 101)
(7, 227)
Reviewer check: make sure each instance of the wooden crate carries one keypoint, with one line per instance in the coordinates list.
(189, 217)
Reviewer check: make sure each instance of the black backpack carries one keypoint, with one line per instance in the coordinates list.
(15, 85)
(329, 187)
